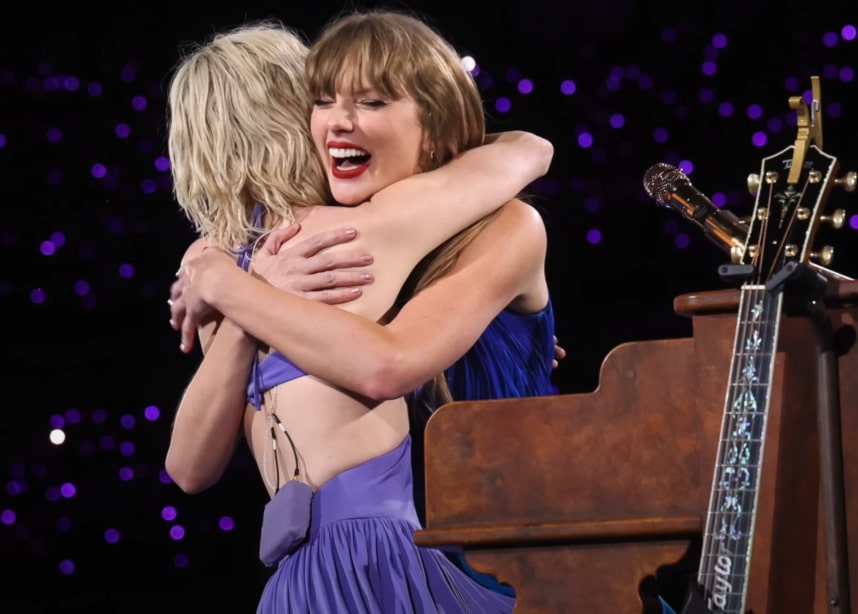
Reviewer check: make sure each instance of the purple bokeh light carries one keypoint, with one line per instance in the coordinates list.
(111, 536)
(226, 523)
(139, 103)
(594, 236)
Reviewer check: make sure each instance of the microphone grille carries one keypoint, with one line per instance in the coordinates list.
(660, 181)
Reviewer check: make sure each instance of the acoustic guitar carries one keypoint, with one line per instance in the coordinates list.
(791, 191)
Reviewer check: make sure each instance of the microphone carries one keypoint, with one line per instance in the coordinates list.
(669, 187)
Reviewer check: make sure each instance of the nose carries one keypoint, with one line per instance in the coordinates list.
(340, 117)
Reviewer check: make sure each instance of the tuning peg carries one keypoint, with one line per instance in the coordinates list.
(823, 256)
(848, 181)
(753, 183)
(836, 219)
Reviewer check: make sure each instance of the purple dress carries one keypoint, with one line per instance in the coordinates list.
(360, 556)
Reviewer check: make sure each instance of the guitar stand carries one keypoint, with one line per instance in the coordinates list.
(800, 281)
(831, 463)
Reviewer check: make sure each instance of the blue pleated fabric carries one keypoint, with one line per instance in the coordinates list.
(511, 359)
(360, 557)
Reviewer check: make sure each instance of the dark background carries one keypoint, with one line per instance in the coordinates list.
(98, 361)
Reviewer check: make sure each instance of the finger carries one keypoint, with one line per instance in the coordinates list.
(318, 242)
(189, 331)
(327, 280)
(338, 260)
(335, 296)
(176, 289)
(177, 314)
(277, 238)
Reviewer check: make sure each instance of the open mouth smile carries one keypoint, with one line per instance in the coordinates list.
(348, 162)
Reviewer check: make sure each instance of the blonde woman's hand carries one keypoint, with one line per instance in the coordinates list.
(559, 354)
(188, 308)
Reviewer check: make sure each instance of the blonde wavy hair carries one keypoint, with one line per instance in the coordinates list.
(399, 55)
(239, 133)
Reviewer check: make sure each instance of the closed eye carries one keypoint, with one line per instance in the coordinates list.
(373, 104)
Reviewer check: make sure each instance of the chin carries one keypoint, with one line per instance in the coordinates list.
(349, 197)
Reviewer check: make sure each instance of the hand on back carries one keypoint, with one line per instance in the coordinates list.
(308, 269)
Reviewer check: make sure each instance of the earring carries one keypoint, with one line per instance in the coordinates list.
(432, 156)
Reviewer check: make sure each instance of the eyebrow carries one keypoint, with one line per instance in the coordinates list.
(363, 91)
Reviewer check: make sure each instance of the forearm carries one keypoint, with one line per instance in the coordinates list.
(208, 421)
(312, 335)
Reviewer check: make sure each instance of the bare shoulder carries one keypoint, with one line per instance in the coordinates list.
(195, 249)
(518, 242)
(525, 214)
(520, 226)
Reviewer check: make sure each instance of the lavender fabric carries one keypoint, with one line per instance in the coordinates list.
(285, 522)
(360, 557)
(275, 368)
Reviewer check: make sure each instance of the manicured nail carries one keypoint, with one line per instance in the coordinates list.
(350, 232)
(366, 258)
(366, 276)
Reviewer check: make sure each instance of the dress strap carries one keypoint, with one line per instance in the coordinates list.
(244, 256)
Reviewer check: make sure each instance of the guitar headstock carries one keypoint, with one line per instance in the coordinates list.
(787, 214)
(791, 192)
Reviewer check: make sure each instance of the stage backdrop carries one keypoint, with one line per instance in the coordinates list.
(91, 238)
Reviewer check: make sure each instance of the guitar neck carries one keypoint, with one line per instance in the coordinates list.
(728, 538)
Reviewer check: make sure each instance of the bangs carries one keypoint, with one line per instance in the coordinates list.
(365, 57)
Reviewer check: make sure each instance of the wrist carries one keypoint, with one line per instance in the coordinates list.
(233, 333)
(213, 279)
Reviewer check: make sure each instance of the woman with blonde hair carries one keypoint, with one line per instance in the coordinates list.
(376, 131)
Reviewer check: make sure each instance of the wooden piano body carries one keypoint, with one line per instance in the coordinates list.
(578, 500)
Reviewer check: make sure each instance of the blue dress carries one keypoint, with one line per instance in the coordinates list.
(511, 359)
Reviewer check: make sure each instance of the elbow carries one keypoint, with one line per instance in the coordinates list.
(386, 377)
(536, 155)
(183, 476)
(545, 156)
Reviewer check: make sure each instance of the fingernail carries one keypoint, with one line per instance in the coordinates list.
(350, 232)
(366, 277)
(172, 322)
(366, 258)
(354, 290)
(182, 346)
(170, 302)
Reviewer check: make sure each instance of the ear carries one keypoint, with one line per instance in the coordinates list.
(429, 155)
(427, 144)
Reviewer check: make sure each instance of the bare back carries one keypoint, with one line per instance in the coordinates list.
(334, 429)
